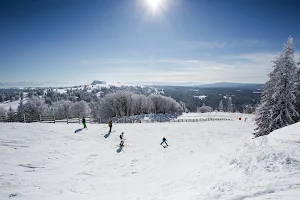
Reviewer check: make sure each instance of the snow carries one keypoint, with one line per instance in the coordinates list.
(205, 160)
(61, 91)
(234, 116)
(14, 105)
(200, 97)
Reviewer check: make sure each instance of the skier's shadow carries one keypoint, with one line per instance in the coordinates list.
(119, 149)
(78, 130)
(107, 135)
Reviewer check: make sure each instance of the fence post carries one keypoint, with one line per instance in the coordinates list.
(79, 120)
(24, 118)
(67, 119)
(40, 118)
(54, 119)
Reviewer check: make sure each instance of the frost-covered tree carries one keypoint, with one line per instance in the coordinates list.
(204, 109)
(10, 113)
(2, 111)
(62, 109)
(229, 105)
(297, 92)
(1, 98)
(20, 109)
(139, 104)
(36, 106)
(22, 95)
(183, 106)
(221, 107)
(80, 109)
(126, 103)
(277, 106)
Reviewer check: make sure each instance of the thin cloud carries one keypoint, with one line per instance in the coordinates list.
(225, 44)
(239, 68)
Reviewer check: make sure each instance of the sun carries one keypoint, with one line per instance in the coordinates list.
(154, 5)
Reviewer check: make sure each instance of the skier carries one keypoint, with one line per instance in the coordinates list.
(110, 125)
(122, 139)
(164, 140)
(83, 122)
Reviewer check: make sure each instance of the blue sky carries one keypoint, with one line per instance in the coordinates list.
(77, 41)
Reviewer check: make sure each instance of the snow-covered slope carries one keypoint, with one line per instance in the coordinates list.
(14, 105)
(205, 160)
(234, 116)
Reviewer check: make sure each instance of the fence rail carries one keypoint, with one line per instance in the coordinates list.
(171, 120)
(26, 118)
(15, 117)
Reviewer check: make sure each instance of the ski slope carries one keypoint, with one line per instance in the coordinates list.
(205, 160)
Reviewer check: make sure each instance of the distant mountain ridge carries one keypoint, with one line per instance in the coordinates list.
(233, 85)
(30, 84)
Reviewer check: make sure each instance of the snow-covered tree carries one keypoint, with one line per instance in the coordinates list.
(1, 98)
(62, 109)
(229, 105)
(183, 106)
(10, 112)
(277, 107)
(20, 109)
(139, 104)
(126, 103)
(2, 111)
(297, 92)
(22, 95)
(204, 109)
(80, 109)
(36, 106)
(221, 107)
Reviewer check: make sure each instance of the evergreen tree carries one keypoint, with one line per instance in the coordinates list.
(297, 92)
(278, 101)
(2, 111)
(1, 98)
(20, 109)
(221, 107)
(229, 105)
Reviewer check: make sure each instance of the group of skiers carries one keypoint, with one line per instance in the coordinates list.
(110, 123)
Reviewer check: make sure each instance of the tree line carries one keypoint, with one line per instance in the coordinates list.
(117, 104)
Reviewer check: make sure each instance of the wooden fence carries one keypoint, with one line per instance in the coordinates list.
(171, 120)
(25, 118)
(15, 117)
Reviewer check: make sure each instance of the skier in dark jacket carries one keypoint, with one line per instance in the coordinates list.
(110, 125)
(83, 122)
(122, 139)
(164, 140)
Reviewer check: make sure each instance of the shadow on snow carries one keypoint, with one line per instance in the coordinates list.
(119, 149)
(78, 130)
(107, 135)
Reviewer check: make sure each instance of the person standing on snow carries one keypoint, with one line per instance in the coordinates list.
(110, 125)
(122, 139)
(83, 122)
(164, 140)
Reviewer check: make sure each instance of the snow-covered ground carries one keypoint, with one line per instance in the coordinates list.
(233, 116)
(205, 160)
(14, 104)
